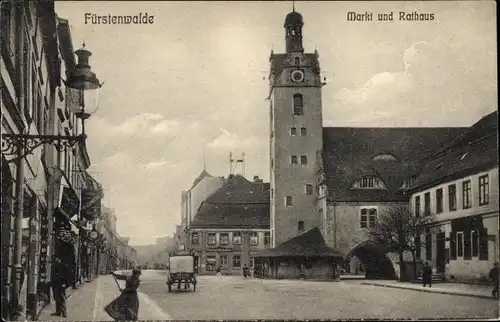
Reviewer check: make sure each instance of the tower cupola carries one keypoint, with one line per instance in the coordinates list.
(293, 28)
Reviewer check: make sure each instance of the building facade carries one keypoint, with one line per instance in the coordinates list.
(460, 186)
(36, 54)
(231, 226)
(338, 179)
(203, 186)
(296, 134)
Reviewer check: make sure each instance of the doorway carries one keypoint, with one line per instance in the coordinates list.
(440, 253)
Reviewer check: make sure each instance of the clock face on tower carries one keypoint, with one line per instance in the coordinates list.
(297, 76)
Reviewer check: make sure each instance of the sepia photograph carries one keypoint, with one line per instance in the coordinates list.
(249, 160)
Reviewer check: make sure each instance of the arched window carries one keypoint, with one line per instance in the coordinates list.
(298, 107)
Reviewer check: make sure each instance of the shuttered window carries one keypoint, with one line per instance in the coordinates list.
(467, 245)
(483, 244)
(428, 246)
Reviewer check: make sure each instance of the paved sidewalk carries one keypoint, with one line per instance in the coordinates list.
(87, 303)
(481, 291)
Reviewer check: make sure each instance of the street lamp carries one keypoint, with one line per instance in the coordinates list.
(15, 147)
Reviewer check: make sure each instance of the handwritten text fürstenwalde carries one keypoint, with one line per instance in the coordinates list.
(390, 16)
(138, 19)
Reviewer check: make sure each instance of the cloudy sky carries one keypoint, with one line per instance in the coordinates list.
(195, 78)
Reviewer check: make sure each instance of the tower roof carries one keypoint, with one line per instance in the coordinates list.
(293, 18)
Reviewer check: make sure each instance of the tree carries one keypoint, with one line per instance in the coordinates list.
(395, 232)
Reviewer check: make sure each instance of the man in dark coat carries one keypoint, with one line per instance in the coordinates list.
(59, 282)
(427, 275)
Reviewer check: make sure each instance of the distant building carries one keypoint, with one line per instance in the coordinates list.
(460, 186)
(203, 186)
(231, 226)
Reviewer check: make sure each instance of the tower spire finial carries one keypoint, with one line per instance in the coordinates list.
(293, 6)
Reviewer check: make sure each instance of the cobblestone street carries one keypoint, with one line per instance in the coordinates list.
(232, 297)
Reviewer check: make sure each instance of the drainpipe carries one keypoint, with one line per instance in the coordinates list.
(19, 207)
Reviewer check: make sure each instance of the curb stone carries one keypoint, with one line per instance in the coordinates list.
(431, 291)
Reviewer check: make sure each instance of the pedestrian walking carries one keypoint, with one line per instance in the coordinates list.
(218, 272)
(427, 275)
(493, 275)
(246, 272)
(59, 282)
(131, 299)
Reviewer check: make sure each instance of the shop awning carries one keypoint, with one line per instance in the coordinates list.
(65, 198)
(308, 244)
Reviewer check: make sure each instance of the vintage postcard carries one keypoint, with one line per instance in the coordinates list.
(249, 160)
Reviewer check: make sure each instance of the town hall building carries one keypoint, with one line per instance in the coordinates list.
(334, 180)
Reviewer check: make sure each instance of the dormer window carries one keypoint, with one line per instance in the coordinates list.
(410, 182)
(369, 182)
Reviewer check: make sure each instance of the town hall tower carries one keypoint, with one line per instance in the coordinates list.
(296, 135)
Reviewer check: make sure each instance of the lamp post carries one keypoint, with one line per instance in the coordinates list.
(17, 146)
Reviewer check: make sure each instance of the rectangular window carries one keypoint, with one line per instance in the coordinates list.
(293, 159)
(364, 218)
(211, 263)
(254, 239)
(194, 238)
(427, 204)
(300, 226)
(237, 238)
(309, 189)
(460, 244)
(452, 197)
(236, 261)
(475, 243)
(293, 131)
(466, 194)
(267, 238)
(439, 200)
(484, 190)
(303, 159)
(211, 238)
(298, 108)
(417, 206)
(288, 201)
(372, 217)
(303, 131)
(224, 238)
(223, 261)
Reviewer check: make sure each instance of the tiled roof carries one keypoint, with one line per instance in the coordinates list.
(232, 216)
(349, 152)
(239, 190)
(239, 203)
(476, 150)
(307, 244)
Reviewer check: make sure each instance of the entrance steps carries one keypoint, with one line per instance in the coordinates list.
(436, 278)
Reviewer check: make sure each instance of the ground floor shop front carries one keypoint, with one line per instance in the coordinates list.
(462, 248)
(229, 261)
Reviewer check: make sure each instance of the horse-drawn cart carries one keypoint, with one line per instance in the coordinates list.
(181, 269)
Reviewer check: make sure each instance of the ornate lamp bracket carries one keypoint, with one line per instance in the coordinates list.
(20, 145)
